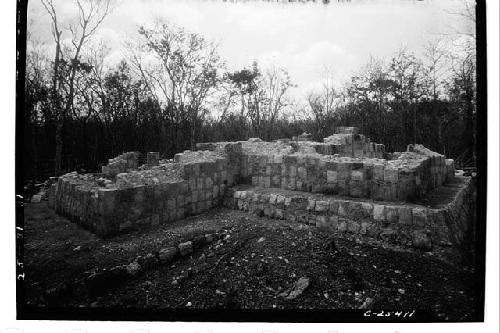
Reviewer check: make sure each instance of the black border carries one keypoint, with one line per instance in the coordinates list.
(481, 151)
(25, 312)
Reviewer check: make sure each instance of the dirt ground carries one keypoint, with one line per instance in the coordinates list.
(252, 266)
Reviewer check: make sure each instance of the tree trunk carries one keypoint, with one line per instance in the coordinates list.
(415, 123)
(59, 148)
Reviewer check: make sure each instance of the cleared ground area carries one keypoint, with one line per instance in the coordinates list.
(252, 263)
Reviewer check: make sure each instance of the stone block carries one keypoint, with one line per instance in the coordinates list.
(343, 171)
(367, 209)
(352, 226)
(167, 255)
(180, 201)
(356, 189)
(421, 240)
(405, 216)
(333, 207)
(391, 214)
(331, 176)
(358, 175)
(185, 248)
(300, 186)
(343, 208)
(171, 204)
(268, 211)
(363, 228)
(215, 191)
(333, 221)
(321, 206)
(107, 201)
(179, 213)
(322, 222)
(267, 182)
(153, 158)
(420, 217)
(311, 205)
(378, 212)
(302, 173)
(391, 175)
(200, 182)
(272, 199)
(343, 187)
(342, 225)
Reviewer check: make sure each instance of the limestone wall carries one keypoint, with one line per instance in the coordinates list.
(127, 195)
(407, 178)
(404, 224)
(122, 163)
(354, 145)
(193, 184)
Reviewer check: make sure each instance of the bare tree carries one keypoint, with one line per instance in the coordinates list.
(466, 11)
(263, 96)
(407, 72)
(179, 69)
(435, 56)
(91, 14)
(324, 102)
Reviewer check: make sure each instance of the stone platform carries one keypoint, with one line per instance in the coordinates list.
(442, 221)
(345, 183)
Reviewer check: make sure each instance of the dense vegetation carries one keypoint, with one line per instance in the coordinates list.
(172, 89)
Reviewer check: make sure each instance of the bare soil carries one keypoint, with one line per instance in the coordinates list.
(255, 261)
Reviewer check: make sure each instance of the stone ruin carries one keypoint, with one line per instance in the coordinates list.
(345, 184)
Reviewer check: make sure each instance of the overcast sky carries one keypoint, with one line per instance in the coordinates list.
(305, 38)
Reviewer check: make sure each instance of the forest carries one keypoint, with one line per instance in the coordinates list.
(173, 89)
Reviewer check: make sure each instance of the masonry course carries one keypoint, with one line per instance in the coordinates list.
(362, 188)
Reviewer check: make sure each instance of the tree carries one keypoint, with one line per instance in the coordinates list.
(323, 103)
(180, 69)
(263, 96)
(434, 57)
(68, 62)
(407, 72)
(462, 92)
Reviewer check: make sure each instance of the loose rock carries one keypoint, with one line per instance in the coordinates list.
(167, 255)
(297, 289)
(133, 268)
(186, 248)
(147, 262)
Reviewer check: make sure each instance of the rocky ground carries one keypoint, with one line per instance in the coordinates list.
(248, 262)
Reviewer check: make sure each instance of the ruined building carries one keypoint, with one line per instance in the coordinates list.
(345, 184)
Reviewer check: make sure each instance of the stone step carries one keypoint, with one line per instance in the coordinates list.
(409, 224)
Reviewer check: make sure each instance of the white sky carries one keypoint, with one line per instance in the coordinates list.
(304, 38)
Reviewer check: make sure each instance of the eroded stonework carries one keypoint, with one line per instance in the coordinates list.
(344, 184)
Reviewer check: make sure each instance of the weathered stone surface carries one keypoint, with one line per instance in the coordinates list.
(185, 248)
(379, 212)
(148, 261)
(346, 164)
(133, 268)
(421, 240)
(167, 255)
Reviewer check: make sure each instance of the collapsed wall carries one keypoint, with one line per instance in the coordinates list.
(345, 184)
(122, 163)
(346, 141)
